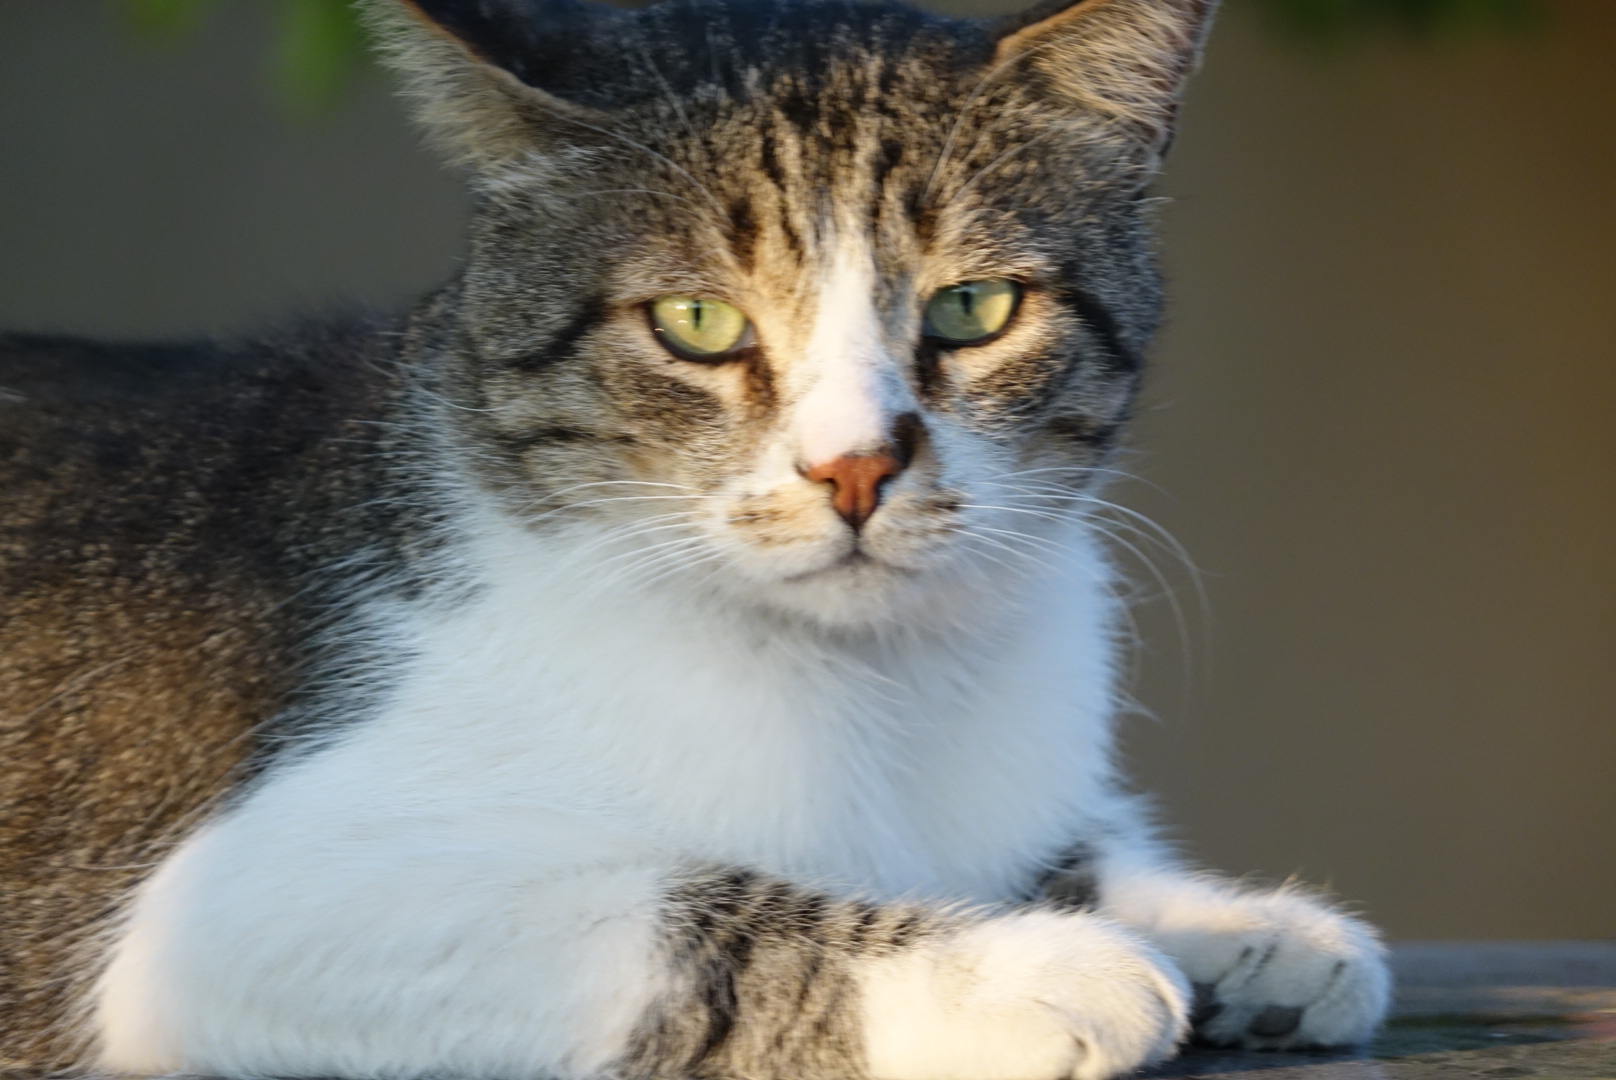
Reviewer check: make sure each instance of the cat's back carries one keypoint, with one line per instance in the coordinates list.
(143, 480)
(162, 507)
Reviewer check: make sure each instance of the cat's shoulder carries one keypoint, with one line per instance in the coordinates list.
(122, 404)
(219, 445)
(56, 372)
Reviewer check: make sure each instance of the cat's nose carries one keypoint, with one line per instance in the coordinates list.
(856, 481)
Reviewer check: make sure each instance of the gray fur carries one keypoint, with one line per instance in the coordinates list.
(1072, 882)
(766, 973)
(187, 528)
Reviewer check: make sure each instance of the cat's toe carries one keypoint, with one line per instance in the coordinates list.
(1276, 1022)
(1289, 973)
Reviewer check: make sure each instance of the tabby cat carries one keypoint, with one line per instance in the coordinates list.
(679, 645)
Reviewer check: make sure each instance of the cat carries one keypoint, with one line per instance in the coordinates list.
(678, 646)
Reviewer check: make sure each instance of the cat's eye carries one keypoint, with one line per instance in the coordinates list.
(696, 328)
(971, 311)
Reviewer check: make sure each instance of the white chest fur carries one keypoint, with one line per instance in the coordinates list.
(920, 762)
(550, 753)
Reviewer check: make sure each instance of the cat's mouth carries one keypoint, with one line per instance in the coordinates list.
(855, 561)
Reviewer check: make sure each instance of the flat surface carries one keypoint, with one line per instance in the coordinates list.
(1437, 1048)
(1467, 965)
(1491, 1011)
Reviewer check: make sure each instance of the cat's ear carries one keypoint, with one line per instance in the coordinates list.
(1126, 60)
(489, 78)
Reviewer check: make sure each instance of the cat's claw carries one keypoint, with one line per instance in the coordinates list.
(1034, 996)
(1284, 972)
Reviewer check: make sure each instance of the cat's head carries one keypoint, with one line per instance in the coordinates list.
(834, 306)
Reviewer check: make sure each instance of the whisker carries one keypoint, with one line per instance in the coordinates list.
(683, 567)
(663, 565)
(967, 534)
(1044, 514)
(1048, 545)
(1180, 622)
(643, 558)
(624, 191)
(1001, 545)
(646, 527)
(1156, 533)
(1044, 490)
(564, 508)
(610, 483)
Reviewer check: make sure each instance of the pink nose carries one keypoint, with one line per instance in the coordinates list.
(856, 481)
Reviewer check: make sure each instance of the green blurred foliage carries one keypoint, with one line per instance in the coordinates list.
(319, 50)
(320, 47)
(163, 16)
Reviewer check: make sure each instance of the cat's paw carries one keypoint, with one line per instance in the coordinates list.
(1037, 995)
(1283, 970)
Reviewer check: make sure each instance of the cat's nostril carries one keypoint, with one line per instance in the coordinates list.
(856, 481)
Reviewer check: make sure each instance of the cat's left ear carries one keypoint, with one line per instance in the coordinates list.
(1125, 60)
(489, 78)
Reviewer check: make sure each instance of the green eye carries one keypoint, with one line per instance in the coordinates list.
(698, 329)
(972, 311)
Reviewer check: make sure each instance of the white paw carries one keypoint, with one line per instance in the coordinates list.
(1282, 970)
(1037, 995)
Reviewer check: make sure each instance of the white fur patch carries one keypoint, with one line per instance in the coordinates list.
(406, 938)
(465, 885)
(853, 388)
(1035, 996)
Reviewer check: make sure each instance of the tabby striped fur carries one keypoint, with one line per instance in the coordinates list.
(493, 693)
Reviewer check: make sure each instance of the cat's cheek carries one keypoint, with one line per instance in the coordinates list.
(790, 523)
(914, 531)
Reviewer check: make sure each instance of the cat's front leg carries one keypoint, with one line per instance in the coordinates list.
(767, 979)
(463, 960)
(776, 980)
(1271, 969)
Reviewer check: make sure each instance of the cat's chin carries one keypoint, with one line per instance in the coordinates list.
(862, 592)
(857, 565)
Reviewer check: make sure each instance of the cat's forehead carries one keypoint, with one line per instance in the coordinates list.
(780, 128)
(815, 50)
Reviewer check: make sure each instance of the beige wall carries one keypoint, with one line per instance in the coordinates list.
(1381, 419)
(151, 188)
(1384, 420)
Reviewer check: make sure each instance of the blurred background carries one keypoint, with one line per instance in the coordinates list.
(1382, 420)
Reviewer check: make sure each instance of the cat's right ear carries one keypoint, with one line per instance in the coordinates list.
(490, 78)
(1124, 61)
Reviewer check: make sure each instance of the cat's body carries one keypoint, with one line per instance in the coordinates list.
(157, 609)
(498, 693)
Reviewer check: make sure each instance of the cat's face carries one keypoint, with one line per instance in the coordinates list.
(838, 309)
